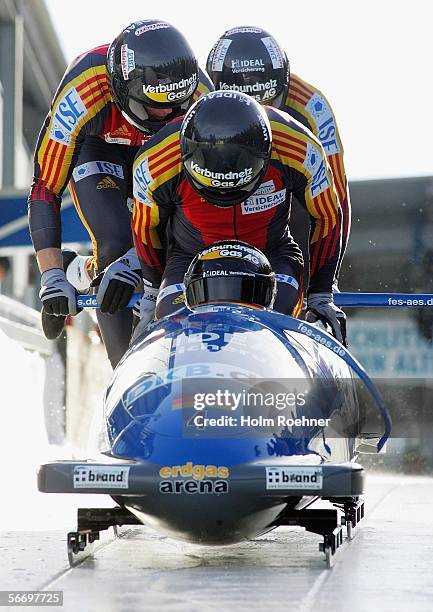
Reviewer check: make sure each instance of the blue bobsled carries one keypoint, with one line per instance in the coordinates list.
(226, 422)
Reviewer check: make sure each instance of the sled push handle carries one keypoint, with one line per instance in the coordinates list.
(348, 300)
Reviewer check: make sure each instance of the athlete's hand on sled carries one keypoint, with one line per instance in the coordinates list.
(58, 296)
(118, 282)
(144, 308)
(321, 307)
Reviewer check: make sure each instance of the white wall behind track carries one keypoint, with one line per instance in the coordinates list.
(31, 415)
(23, 436)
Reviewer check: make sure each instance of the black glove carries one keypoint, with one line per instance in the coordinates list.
(118, 283)
(57, 294)
(320, 306)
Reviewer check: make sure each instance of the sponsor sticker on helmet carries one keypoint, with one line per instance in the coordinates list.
(314, 163)
(150, 27)
(228, 94)
(294, 477)
(142, 181)
(229, 245)
(230, 250)
(323, 117)
(266, 128)
(221, 179)
(220, 54)
(127, 61)
(187, 120)
(245, 30)
(263, 199)
(248, 65)
(274, 52)
(171, 92)
(111, 59)
(259, 91)
(67, 112)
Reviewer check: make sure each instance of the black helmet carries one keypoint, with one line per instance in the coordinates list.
(230, 271)
(250, 60)
(226, 143)
(151, 63)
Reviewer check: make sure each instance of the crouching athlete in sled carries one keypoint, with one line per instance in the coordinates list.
(111, 100)
(228, 171)
(230, 272)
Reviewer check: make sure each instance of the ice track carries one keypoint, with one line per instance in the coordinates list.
(387, 567)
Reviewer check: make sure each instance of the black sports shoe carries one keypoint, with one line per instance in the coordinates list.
(53, 325)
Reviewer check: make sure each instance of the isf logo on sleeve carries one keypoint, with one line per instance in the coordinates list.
(69, 110)
(142, 182)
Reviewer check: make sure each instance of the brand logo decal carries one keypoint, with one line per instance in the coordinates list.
(142, 181)
(315, 164)
(66, 115)
(97, 167)
(222, 179)
(248, 65)
(259, 91)
(324, 119)
(263, 199)
(194, 479)
(219, 54)
(107, 183)
(294, 478)
(167, 92)
(274, 52)
(150, 27)
(243, 31)
(230, 251)
(127, 61)
(98, 477)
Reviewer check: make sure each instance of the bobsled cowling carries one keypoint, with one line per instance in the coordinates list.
(222, 486)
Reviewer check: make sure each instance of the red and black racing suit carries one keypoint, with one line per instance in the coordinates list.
(163, 194)
(86, 141)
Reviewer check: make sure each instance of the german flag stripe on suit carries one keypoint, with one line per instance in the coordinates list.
(163, 161)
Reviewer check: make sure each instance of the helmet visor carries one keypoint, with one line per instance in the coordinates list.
(234, 180)
(140, 115)
(257, 290)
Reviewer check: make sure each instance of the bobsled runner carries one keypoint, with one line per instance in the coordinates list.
(224, 423)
